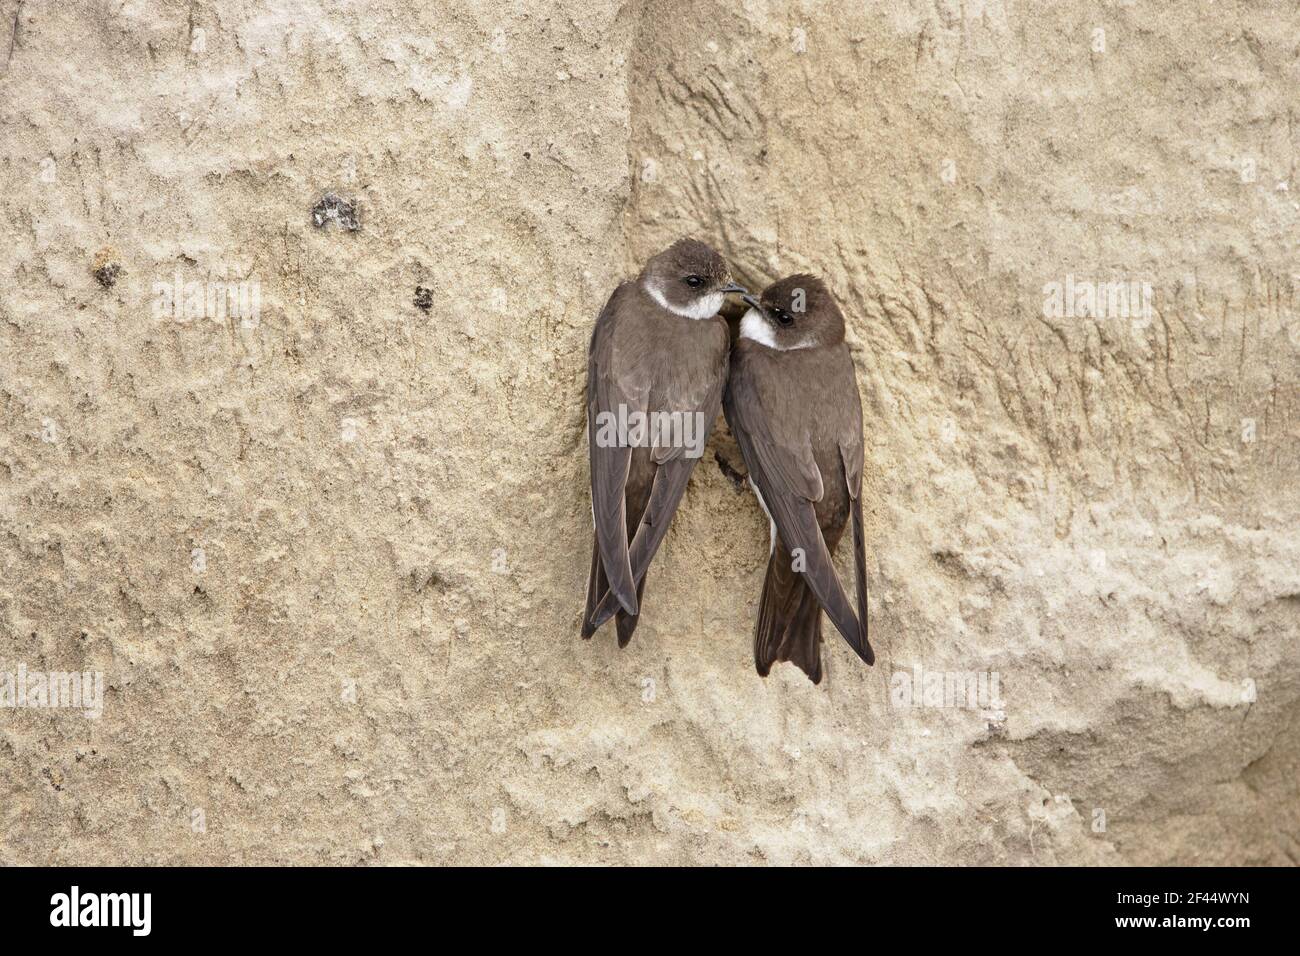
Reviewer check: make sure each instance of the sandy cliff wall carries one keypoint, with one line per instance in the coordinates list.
(329, 557)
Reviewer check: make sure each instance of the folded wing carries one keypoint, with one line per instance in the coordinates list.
(785, 471)
(702, 401)
(607, 392)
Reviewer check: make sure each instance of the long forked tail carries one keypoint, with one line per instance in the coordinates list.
(596, 588)
(665, 494)
(789, 624)
(599, 597)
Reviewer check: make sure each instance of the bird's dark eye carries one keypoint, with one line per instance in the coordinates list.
(783, 317)
(694, 281)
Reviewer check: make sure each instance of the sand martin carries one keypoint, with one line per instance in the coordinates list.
(792, 403)
(656, 370)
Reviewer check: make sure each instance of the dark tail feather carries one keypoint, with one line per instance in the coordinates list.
(665, 494)
(599, 598)
(860, 572)
(626, 623)
(803, 638)
(609, 514)
(597, 587)
(789, 624)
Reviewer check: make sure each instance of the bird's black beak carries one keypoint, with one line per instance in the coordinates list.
(750, 301)
(735, 288)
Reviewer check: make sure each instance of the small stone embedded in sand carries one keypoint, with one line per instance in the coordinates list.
(332, 208)
(106, 269)
(423, 298)
(107, 275)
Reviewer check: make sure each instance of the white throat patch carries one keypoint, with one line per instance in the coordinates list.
(756, 328)
(705, 307)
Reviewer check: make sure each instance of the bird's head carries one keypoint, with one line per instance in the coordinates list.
(797, 312)
(689, 278)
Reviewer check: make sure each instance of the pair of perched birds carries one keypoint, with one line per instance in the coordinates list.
(791, 399)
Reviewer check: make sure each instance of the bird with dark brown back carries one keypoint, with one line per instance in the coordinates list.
(792, 403)
(656, 370)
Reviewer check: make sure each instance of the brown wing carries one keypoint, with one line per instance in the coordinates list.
(850, 443)
(673, 472)
(778, 450)
(608, 387)
(860, 561)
